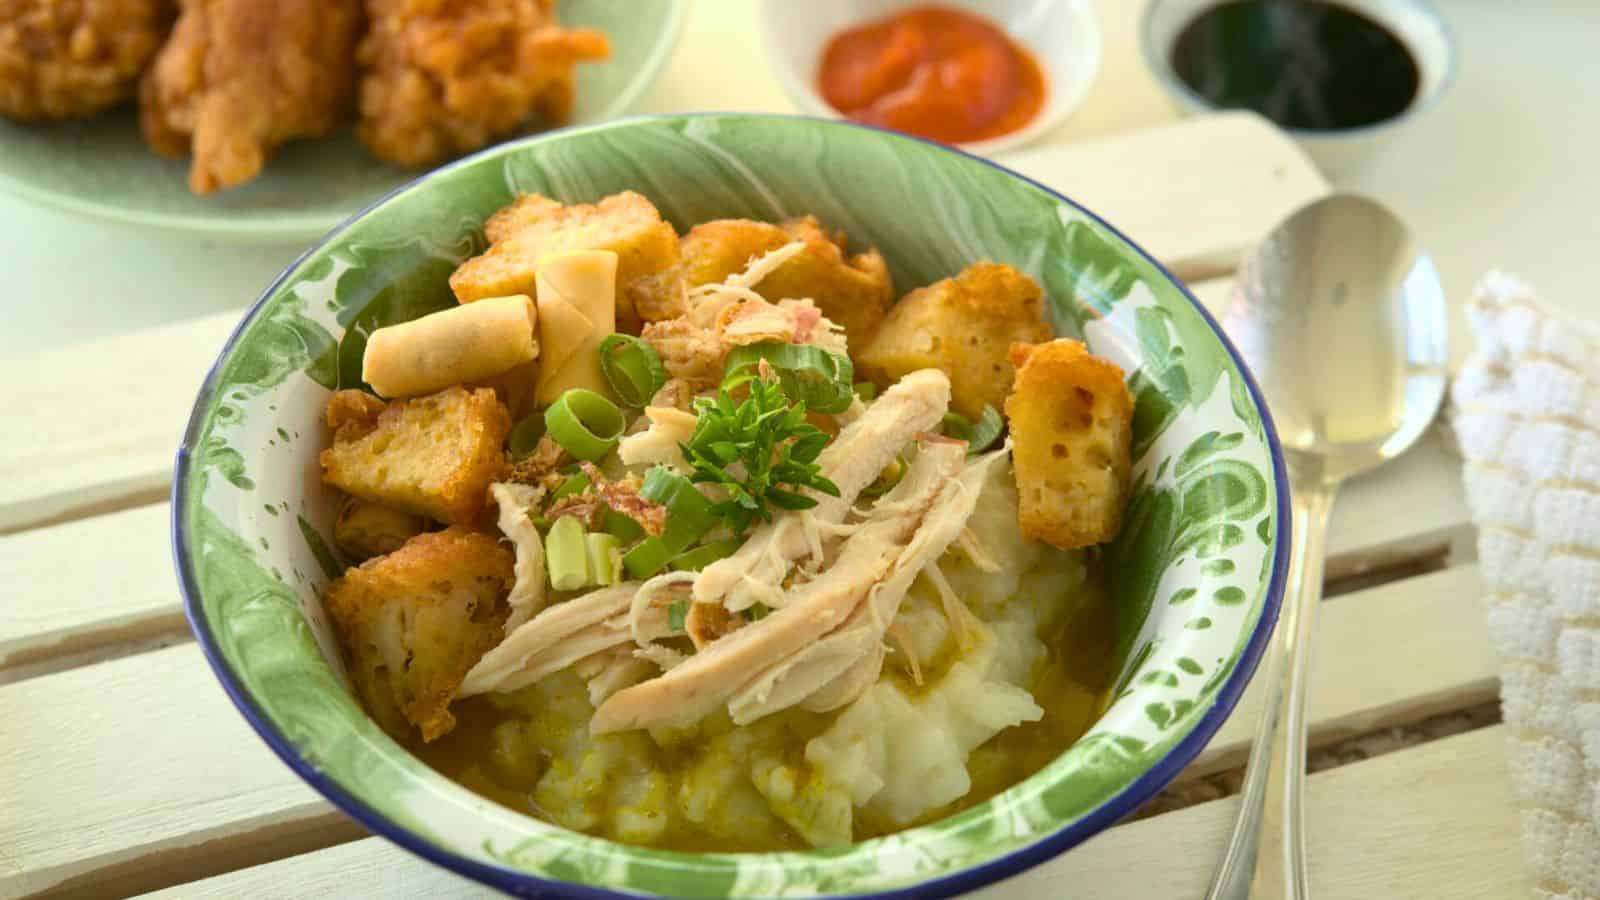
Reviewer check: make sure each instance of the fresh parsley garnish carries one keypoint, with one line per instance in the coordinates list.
(761, 451)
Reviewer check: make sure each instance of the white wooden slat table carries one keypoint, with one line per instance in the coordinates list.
(124, 769)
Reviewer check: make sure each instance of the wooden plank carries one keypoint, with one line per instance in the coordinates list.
(90, 583)
(124, 775)
(100, 422)
(1388, 827)
(1385, 655)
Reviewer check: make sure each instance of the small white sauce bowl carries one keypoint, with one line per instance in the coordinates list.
(1062, 35)
(1415, 22)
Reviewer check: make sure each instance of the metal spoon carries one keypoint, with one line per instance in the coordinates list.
(1342, 321)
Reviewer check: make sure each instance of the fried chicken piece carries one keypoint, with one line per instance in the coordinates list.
(444, 77)
(240, 77)
(70, 59)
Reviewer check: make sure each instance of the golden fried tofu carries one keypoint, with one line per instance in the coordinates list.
(364, 530)
(1071, 426)
(853, 291)
(444, 77)
(433, 456)
(963, 326)
(70, 59)
(412, 623)
(237, 78)
(648, 286)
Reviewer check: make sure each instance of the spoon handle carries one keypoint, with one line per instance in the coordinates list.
(1266, 857)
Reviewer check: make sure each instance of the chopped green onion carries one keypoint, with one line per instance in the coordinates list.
(525, 436)
(689, 513)
(678, 614)
(604, 558)
(985, 430)
(756, 612)
(623, 527)
(566, 555)
(576, 484)
(704, 555)
(809, 374)
(648, 557)
(632, 367)
(888, 478)
(586, 424)
(957, 426)
(866, 390)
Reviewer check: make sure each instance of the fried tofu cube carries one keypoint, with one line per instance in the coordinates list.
(364, 530)
(412, 623)
(853, 291)
(1071, 429)
(963, 326)
(433, 456)
(649, 287)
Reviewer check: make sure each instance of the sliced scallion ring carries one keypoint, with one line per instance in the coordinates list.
(821, 379)
(584, 423)
(704, 555)
(866, 390)
(525, 436)
(648, 557)
(957, 426)
(985, 431)
(688, 511)
(632, 367)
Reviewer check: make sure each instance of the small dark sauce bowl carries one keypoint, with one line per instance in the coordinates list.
(1417, 25)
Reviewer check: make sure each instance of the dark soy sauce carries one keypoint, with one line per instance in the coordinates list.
(1304, 64)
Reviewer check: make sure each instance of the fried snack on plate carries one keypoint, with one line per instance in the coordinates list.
(444, 77)
(412, 623)
(536, 227)
(1071, 425)
(963, 326)
(70, 59)
(237, 78)
(433, 456)
(460, 345)
(364, 530)
(852, 291)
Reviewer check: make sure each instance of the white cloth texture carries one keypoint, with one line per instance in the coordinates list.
(1527, 416)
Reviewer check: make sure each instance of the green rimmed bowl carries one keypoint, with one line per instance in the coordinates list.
(102, 168)
(1197, 573)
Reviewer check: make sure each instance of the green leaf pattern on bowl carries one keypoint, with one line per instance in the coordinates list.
(1203, 487)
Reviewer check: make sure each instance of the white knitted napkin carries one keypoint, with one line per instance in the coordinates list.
(1527, 415)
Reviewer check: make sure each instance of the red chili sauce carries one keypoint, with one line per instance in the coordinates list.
(933, 71)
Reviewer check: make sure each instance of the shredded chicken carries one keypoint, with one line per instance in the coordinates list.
(528, 593)
(973, 547)
(702, 682)
(613, 670)
(852, 461)
(500, 669)
(942, 524)
(658, 444)
(729, 314)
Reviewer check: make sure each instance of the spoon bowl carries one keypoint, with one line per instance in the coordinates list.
(1342, 320)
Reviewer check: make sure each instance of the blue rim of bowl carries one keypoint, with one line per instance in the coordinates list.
(1156, 62)
(282, 229)
(1121, 804)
